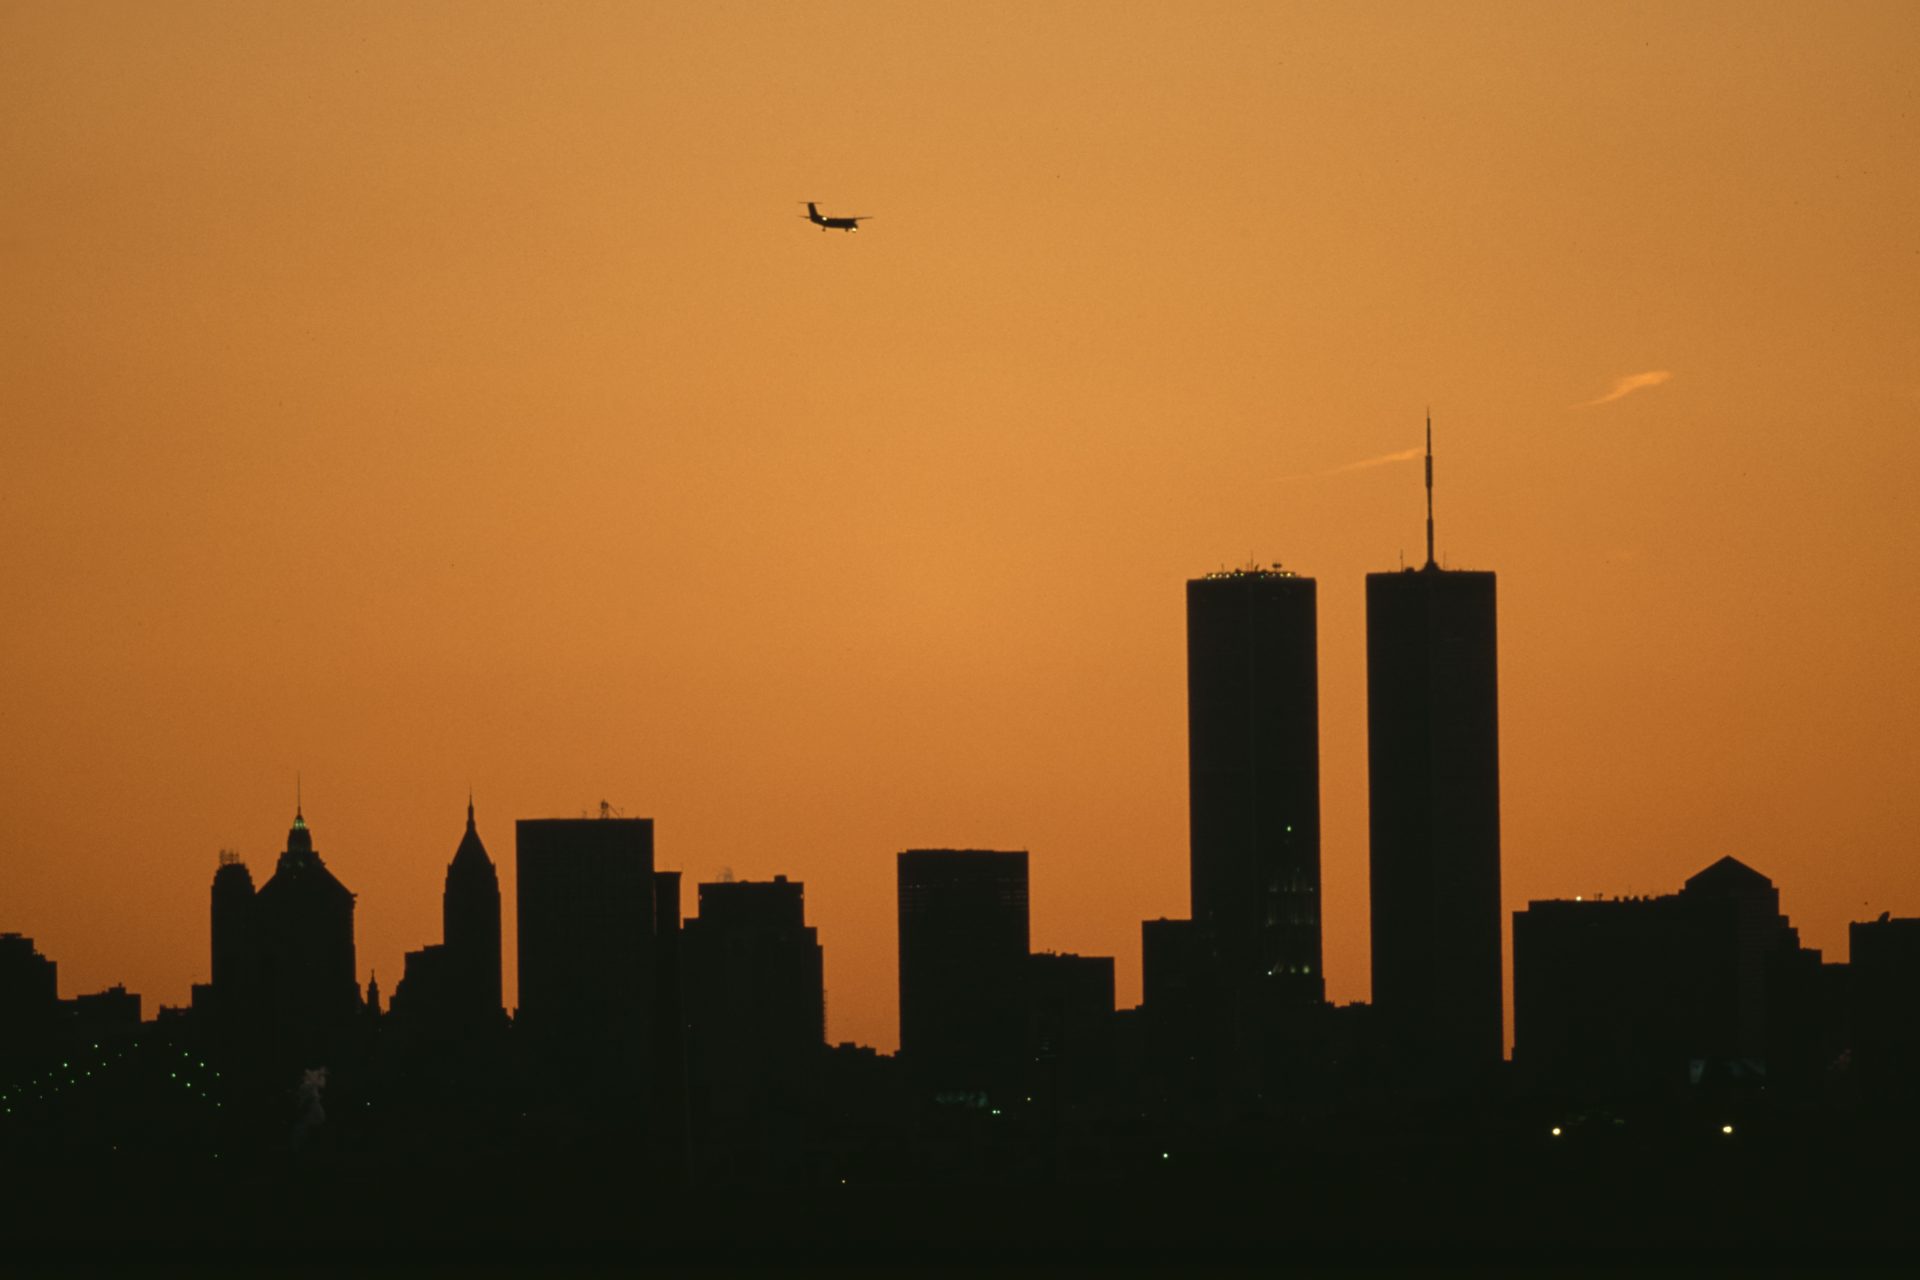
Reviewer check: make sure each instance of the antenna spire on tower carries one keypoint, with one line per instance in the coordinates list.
(1430, 487)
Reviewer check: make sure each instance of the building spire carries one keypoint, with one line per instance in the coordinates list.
(469, 808)
(296, 797)
(1430, 487)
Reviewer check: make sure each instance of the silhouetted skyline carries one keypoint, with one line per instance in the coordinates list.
(718, 1022)
(655, 1057)
(375, 413)
(403, 405)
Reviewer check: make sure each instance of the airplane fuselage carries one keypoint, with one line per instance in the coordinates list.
(825, 223)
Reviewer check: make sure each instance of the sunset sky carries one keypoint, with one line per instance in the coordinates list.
(419, 396)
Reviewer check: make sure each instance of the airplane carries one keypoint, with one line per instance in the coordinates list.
(837, 224)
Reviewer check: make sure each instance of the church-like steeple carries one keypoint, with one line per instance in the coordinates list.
(470, 915)
(471, 852)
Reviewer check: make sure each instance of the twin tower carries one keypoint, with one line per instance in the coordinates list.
(1433, 760)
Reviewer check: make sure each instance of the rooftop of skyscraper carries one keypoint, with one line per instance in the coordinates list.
(1273, 570)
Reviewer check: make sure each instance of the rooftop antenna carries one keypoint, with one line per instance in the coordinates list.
(296, 793)
(1429, 486)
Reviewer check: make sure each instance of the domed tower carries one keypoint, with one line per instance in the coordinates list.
(304, 922)
(471, 923)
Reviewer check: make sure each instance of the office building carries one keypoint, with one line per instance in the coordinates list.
(668, 1053)
(1069, 1002)
(1183, 1016)
(755, 1001)
(233, 993)
(103, 1013)
(963, 958)
(1433, 764)
(1884, 1004)
(1173, 965)
(423, 1000)
(585, 910)
(29, 992)
(302, 949)
(1253, 753)
(470, 927)
(449, 992)
(1629, 994)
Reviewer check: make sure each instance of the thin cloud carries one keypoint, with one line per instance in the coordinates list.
(1405, 455)
(1628, 385)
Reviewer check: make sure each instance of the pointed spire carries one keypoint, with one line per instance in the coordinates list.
(299, 839)
(471, 851)
(1430, 487)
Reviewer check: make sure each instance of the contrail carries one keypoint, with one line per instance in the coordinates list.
(1404, 455)
(1627, 385)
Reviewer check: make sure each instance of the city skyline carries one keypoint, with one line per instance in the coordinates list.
(446, 399)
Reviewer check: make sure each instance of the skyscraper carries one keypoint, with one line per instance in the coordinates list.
(963, 958)
(236, 967)
(756, 1006)
(1253, 757)
(29, 993)
(1627, 992)
(1069, 1000)
(470, 911)
(668, 1052)
(586, 925)
(303, 944)
(450, 992)
(1433, 758)
(1884, 1004)
(754, 969)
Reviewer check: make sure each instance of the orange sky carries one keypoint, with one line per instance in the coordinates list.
(417, 396)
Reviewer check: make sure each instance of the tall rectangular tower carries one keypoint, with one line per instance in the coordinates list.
(755, 971)
(963, 958)
(586, 921)
(756, 1003)
(1253, 770)
(1433, 759)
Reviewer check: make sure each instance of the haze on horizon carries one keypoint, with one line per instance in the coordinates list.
(445, 395)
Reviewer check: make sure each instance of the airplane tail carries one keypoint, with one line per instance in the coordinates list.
(812, 212)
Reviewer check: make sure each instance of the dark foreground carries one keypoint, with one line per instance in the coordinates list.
(1600, 1202)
